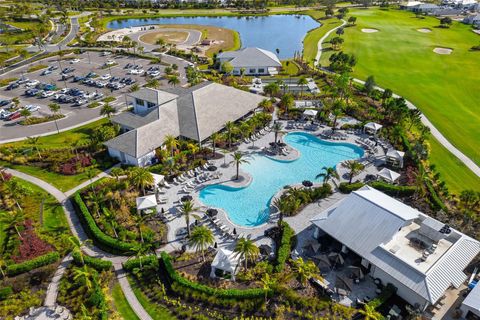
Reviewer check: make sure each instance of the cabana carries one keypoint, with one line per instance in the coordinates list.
(146, 202)
(388, 175)
(158, 179)
(310, 113)
(394, 158)
(372, 128)
(225, 263)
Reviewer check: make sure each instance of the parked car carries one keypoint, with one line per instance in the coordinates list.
(89, 95)
(32, 83)
(80, 101)
(110, 62)
(101, 84)
(22, 80)
(12, 86)
(4, 114)
(106, 53)
(105, 77)
(74, 61)
(130, 81)
(136, 71)
(46, 94)
(68, 70)
(32, 92)
(64, 90)
(13, 116)
(78, 78)
(98, 95)
(46, 72)
(91, 75)
(66, 76)
(118, 85)
(53, 67)
(4, 102)
(32, 108)
(128, 66)
(154, 74)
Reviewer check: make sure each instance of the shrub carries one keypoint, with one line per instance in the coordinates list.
(109, 243)
(283, 252)
(95, 263)
(148, 261)
(15, 269)
(345, 187)
(435, 202)
(386, 293)
(5, 292)
(176, 278)
(36, 68)
(394, 190)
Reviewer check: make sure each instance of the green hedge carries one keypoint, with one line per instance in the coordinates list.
(15, 269)
(148, 261)
(435, 202)
(393, 190)
(285, 246)
(219, 293)
(345, 187)
(386, 293)
(95, 263)
(107, 242)
(5, 292)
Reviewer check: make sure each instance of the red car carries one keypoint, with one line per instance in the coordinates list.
(14, 116)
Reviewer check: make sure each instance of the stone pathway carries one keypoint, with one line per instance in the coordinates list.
(434, 131)
(52, 290)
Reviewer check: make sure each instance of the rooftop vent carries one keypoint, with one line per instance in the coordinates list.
(445, 229)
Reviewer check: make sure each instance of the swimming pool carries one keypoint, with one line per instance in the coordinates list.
(249, 206)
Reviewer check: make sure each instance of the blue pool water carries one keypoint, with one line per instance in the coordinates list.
(249, 206)
(284, 32)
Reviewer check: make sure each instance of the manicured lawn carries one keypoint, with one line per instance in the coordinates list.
(290, 67)
(155, 311)
(121, 304)
(444, 87)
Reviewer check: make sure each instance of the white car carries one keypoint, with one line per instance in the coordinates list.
(32, 108)
(105, 77)
(23, 80)
(89, 95)
(154, 73)
(64, 90)
(46, 94)
(136, 71)
(106, 53)
(32, 83)
(46, 72)
(110, 62)
(74, 61)
(100, 84)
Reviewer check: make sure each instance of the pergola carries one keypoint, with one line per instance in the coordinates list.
(388, 175)
(394, 158)
(146, 202)
(310, 113)
(372, 128)
(158, 179)
(225, 261)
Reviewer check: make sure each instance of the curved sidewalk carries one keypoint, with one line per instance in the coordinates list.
(77, 230)
(434, 131)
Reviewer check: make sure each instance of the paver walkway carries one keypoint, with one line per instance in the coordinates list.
(434, 131)
(77, 230)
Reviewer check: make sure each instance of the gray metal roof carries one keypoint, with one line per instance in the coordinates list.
(251, 57)
(367, 219)
(155, 96)
(473, 298)
(131, 120)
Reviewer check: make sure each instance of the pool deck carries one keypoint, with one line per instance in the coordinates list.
(300, 223)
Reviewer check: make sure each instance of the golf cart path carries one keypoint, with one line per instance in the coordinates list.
(77, 230)
(434, 131)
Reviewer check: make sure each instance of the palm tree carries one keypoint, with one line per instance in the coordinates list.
(229, 126)
(94, 200)
(327, 174)
(283, 205)
(33, 141)
(107, 110)
(153, 83)
(266, 105)
(141, 178)
(187, 209)
(141, 250)
(25, 113)
(193, 148)
(16, 191)
(116, 172)
(238, 159)
(247, 250)
(305, 270)
(77, 245)
(302, 81)
(271, 89)
(200, 239)
(12, 220)
(84, 275)
(277, 129)
(171, 143)
(268, 283)
(173, 80)
(215, 137)
(354, 168)
(369, 313)
(110, 217)
(55, 107)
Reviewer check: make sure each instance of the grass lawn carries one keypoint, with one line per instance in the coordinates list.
(155, 311)
(291, 68)
(121, 304)
(444, 87)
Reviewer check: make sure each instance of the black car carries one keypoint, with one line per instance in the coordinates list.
(67, 76)
(31, 92)
(12, 86)
(78, 78)
(127, 66)
(68, 70)
(4, 103)
(91, 75)
(130, 81)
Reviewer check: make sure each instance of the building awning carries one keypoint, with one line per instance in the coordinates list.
(389, 175)
(146, 202)
(310, 113)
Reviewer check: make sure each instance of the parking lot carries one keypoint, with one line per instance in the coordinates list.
(74, 82)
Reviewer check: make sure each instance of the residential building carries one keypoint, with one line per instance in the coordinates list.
(420, 256)
(194, 113)
(254, 61)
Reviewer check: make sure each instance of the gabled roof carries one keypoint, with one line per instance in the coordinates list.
(226, 260)
(132, 120)
(155, 96)
(473, 298)
(367, 220)
(388, 174)
(395, 154)
(251, 57)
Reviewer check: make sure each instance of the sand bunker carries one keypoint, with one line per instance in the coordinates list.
(369, 30)
(443, 50)
(424, 30)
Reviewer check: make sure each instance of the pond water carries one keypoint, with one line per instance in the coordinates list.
(285, 32)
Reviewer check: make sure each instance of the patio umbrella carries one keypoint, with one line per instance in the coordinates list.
(356, 271)
(323, 259)
(186, 198)
(343, 282)
(336, 258)
(212, 168)
(212, 212)
(234, 230)
(307, 183)
(265, 249)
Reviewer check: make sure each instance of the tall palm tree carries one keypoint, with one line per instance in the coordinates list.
(110, 217)
(200, 239)
(193, 148)
(141, 178)
(16, 191)
(283, 206)
(277, 129)
(229, 126)
(107, 110)
(12, 220)
(84, 275)
(77, 245)
(55, 108)
(187, 209)
(247, 250)
(238, 159)
(302, 81)
(171, 143)
(33, 141)
(305, 270)
(215, 137)
(327, 174)
(369, 313)
(354, 167)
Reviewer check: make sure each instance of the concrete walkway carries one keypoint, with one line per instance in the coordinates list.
(77, 230)
(434, 131)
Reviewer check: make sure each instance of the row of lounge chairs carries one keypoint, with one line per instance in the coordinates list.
(227, 232)
(368, 144)
(257, 135)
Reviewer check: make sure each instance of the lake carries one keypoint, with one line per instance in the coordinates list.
(285, 32)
